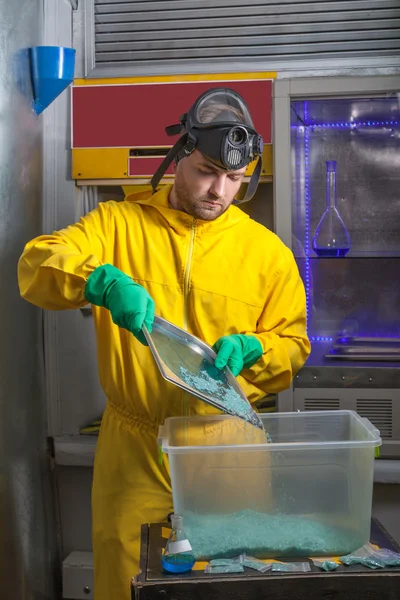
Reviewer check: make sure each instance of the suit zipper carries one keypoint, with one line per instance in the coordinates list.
(188, 269)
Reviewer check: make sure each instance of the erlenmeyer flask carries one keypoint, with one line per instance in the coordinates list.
(331, 237)
(178, 555)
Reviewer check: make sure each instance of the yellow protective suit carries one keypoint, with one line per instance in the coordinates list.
(214, 278)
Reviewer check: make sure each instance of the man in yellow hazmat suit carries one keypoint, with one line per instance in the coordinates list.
(186, 253)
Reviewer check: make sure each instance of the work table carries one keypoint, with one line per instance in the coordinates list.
(353, 582)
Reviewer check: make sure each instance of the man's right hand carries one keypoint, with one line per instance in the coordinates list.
(129, 303)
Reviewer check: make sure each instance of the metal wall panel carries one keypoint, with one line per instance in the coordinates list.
(381, 407)
(27, 539)
(160, 33)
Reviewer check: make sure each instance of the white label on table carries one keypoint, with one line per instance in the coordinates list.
(178, 547)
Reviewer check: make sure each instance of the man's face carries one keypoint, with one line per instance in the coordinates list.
(203, 190)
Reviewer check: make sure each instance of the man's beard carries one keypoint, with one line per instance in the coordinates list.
(197, 207)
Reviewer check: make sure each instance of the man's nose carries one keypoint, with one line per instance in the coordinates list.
(218, 185)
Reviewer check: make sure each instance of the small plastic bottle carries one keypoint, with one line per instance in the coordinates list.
(178, 555)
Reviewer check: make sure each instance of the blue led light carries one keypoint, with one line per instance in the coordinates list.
(307, 216)
(349, 125)
(348, 339)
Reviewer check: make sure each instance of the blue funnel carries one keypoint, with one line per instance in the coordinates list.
(52, 72)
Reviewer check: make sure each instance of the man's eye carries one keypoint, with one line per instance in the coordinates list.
(235, 177)
(204, 172)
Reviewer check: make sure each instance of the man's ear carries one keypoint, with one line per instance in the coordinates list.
(175, 165)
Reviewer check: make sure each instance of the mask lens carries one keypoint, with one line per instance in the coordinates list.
(219, 106)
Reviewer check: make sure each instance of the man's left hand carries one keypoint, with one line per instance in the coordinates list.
(237, 351)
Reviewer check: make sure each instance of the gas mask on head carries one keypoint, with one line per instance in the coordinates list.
(219, 125)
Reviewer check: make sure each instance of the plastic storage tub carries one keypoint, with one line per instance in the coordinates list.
(308, 493)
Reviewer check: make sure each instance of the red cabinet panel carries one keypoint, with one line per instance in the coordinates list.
(146, 166)
(135, 115)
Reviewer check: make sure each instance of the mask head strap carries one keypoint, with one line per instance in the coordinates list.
(253, 184)
(187, 144)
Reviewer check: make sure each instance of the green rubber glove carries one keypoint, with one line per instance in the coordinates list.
(129, 303)
(237, 351)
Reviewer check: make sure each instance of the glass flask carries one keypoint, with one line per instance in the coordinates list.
(178, 555)
(331, 237)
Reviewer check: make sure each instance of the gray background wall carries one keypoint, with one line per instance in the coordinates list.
(27, 539)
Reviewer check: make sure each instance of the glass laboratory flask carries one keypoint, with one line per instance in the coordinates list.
(331, 237)
(178, 555)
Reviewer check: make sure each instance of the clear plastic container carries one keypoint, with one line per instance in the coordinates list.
(308, 493)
